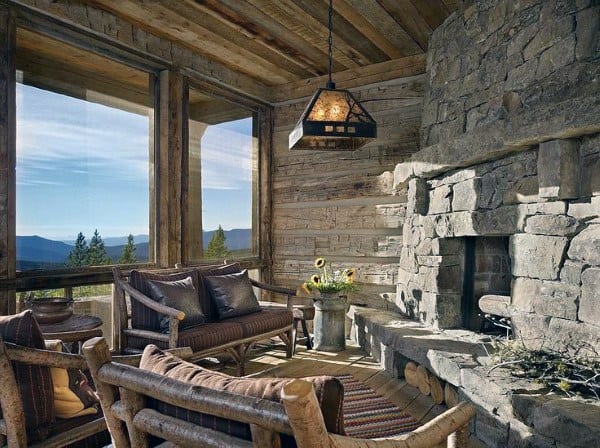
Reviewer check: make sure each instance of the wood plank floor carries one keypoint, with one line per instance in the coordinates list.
(271, 361)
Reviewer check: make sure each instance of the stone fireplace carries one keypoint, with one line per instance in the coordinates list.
(504, 196)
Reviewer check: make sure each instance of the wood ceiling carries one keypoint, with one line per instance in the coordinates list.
(283, 43)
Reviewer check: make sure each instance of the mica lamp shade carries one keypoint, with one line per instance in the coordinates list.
(333, 121)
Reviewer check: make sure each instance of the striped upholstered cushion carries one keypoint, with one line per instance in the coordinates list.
(329, 390)
(262, 322)
(35, 382)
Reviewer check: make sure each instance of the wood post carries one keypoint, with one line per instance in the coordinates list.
(306, 419)
(97, 354)
(12, 406)
(7, 157)
(132, 404)
(264, 223)
(170, 171)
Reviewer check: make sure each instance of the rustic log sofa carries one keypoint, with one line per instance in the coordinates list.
(198, 407)
(210, 309)
(41, 394)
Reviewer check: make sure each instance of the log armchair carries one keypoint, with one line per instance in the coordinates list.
(139, 413)
(207, 326)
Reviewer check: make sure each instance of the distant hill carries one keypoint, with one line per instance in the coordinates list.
(35, 252)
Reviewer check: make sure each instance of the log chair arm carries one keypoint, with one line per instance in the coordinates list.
(278, 289)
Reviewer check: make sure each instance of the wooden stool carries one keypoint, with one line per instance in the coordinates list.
(302, 313)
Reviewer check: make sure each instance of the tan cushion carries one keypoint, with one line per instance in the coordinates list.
(329, 390)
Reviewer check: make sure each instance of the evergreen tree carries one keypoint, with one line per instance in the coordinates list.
(128, 255)
(96, 254)
(216, 246)
(78, 255)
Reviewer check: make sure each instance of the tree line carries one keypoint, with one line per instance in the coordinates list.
(95, 254)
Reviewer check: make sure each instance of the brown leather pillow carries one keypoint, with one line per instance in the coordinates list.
(181, 295)
(329, 390)
(34, 382)
(143, 317)
(232, 294)
(203, 292)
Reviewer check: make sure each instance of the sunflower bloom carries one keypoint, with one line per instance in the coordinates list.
(349, 274)
(320, 263)
(316, 279)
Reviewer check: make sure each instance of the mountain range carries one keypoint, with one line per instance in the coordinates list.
(36, 252)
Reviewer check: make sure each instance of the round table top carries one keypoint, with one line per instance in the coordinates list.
(77, 322)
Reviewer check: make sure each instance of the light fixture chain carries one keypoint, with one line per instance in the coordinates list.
(330, 41)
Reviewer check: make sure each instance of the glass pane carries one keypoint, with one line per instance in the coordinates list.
(83, 157)
(223, 149)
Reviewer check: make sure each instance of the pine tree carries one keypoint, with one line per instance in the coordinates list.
(96, 254)
(216, 246)
(78, 255)
(128, 255)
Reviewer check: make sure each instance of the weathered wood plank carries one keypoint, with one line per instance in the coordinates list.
(106, 25)
(171, 170)
(405, 13)
(265, 210)
(7, 157)
(341, 245)
(372, 216)
(355, 77)
(169, 24)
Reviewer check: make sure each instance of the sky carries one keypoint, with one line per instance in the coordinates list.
(82, 166)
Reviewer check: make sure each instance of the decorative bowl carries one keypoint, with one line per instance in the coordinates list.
(51, 310)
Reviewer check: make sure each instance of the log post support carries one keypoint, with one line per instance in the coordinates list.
(12, 406)
(97, 354)
(7, 157)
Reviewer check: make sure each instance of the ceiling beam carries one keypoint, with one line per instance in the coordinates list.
(250, 17)
(347, 79)
(160, 20)
(433, 11)
(342, 29)
(409, 18)
(379, 18)
(94, 28)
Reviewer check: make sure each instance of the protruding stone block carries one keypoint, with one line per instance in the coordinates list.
(586, 246)
(589, 306)
(465, 194)
(402, 173)
(440, 200)
(554, 225)
(558, 169)
(418, 197)
(537, 256)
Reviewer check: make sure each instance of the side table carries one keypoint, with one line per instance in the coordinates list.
(77, 328)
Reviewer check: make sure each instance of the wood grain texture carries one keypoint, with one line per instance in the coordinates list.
(7, 157)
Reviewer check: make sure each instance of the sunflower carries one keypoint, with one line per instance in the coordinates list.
(316, 279)
(320, 263)
(349, 274)
(306, 288)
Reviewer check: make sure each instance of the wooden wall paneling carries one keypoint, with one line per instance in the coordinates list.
(7, 157)
(171, 171)
(407, 16)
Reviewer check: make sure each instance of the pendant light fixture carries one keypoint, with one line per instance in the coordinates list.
(333, 120)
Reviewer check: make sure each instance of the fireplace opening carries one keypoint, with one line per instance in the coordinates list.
(486, 271)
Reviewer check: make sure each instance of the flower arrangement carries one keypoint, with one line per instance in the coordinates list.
(330, 280)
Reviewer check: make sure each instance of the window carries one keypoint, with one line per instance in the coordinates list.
(223, 173)
(84, 125)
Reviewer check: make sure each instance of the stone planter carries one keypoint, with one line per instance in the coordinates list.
(329, 323)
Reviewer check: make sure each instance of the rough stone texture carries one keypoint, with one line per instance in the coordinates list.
(465, 194)
(556, 299)
(577, 338)
(571, 272)
(417, 201)
(531, 329)
(585, 246)
(589, 305)
(558, 169)
(522, 291)
(440, 200)
(571, 422)
(585, 208)
(537, 256)
(524, 190)
(551, 225)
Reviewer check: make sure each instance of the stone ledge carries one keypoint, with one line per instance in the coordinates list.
(507, 406)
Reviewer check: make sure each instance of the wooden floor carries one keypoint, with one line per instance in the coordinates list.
(267, 361)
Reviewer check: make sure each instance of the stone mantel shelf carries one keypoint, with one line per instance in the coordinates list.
(503, 137)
